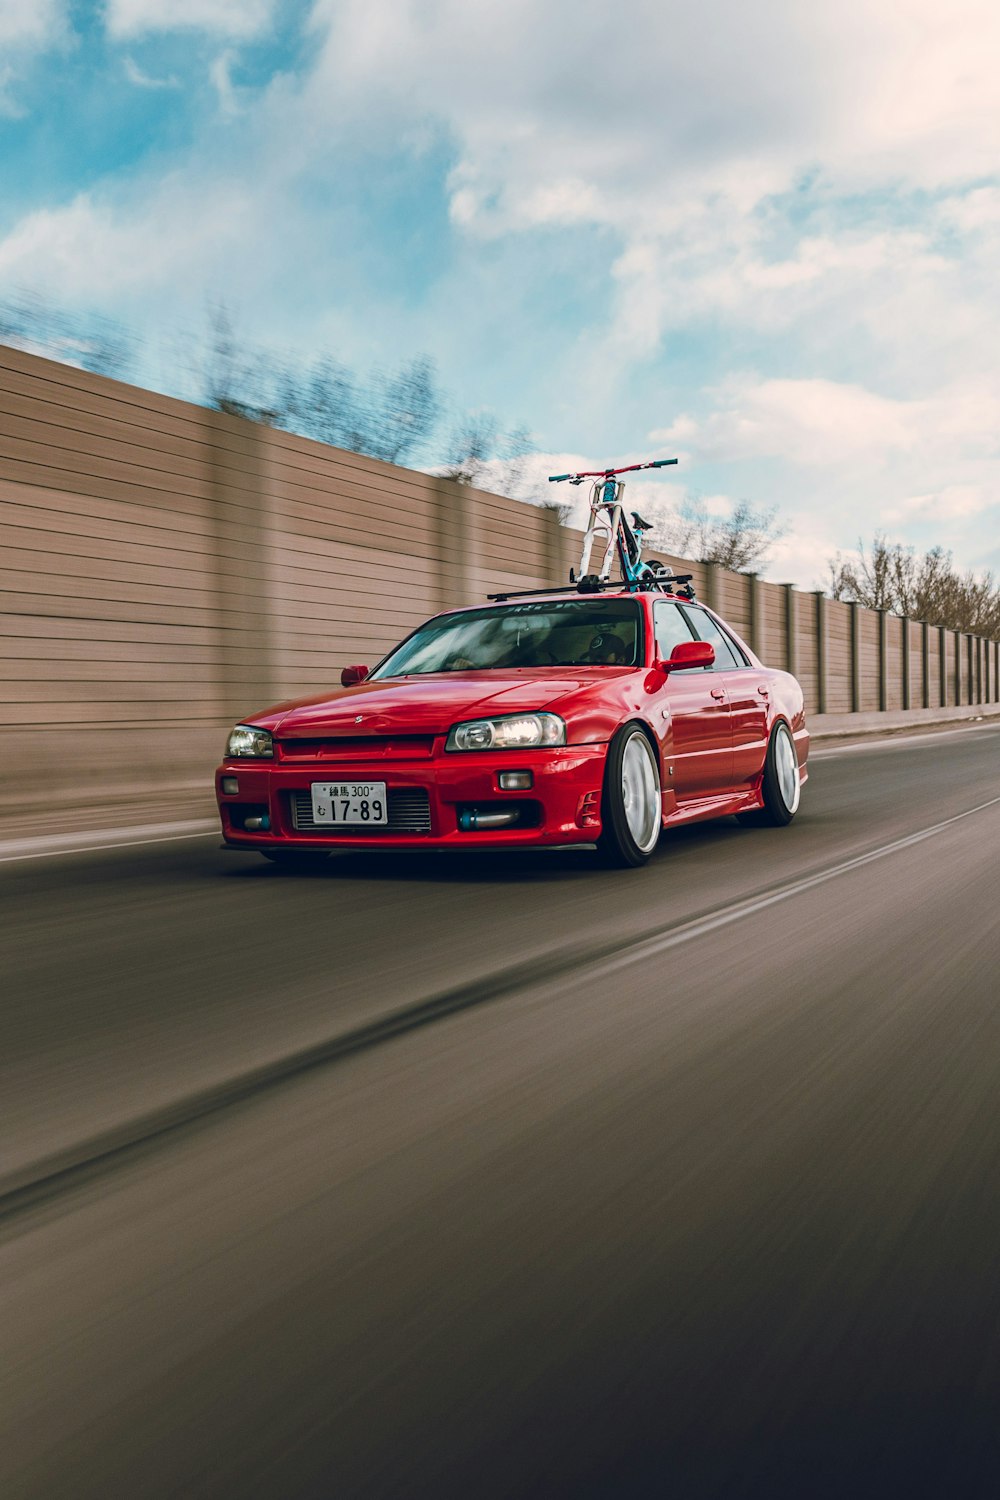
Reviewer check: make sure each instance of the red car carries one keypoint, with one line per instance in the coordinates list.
(555, 718)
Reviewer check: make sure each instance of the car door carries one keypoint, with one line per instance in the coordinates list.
(701, 745)
(747, 690)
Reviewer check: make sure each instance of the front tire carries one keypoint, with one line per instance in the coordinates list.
(780, 787)
(632, 803)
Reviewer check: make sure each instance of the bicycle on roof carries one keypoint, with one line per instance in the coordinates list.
(607, 516)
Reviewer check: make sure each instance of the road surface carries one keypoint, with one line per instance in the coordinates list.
(470, 1176)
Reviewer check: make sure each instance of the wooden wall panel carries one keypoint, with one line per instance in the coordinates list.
(869, 631)
(894, 662)
(838, 658)
(805, 645)
(734, 601)
(774, 634)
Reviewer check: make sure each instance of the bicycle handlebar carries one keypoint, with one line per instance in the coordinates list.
(656, 463)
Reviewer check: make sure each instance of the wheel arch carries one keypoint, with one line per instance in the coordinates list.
(650, 734)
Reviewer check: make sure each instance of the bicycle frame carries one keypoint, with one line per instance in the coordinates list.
(607, 517)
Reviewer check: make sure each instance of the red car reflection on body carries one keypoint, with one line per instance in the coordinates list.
(551, 719)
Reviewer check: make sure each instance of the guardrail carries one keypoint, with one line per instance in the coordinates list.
(167, 569)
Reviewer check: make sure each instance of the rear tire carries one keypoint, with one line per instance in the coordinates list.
(631, 801)
(780, 787)
(297, 859)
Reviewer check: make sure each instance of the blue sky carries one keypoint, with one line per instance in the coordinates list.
(761, 238)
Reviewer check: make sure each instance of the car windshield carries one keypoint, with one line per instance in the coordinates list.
(565, 633)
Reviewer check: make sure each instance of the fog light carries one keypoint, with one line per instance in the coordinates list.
(230, 786)
(254, 825)
(516, 781)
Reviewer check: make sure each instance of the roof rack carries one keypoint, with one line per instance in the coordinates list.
(675, 583)
(526, 593)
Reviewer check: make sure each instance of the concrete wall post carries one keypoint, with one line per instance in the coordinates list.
(986, 672)
(906, 661)
(451, 543)
(754, 614)
(855, 609)
(883, 660)
(553, 554)
(821, 650)
(943, 666)
(791, 654)
(238, 504)
(713, 589)
(979, 669)
(958, 669)
(925, 664)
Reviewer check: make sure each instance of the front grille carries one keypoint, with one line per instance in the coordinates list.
(409, 812)
(357, 747)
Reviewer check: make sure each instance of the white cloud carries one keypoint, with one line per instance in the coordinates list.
(31, 23)
(142, 80)
(220, 74)
(807, 422)
(953, 501)
(234, 18)
(9, 106)
(27, 28)
(89, 247)
(978, 209)
(724, 99)
(820, 423)
(842, 461)
(717, 113)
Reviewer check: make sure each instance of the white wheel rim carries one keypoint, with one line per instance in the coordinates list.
(787, 767)
(641, 793)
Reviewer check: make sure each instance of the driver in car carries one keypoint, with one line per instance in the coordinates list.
(608, 650)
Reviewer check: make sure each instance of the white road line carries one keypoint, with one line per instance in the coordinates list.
(652, 947)
(902, 741)
(49, 845)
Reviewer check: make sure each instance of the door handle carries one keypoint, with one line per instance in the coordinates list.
(764, 692)
(717, 692)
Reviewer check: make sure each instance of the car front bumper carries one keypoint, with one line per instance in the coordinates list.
(562, 806)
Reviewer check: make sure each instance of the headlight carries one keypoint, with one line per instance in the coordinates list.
(246, 740)
(514, 732)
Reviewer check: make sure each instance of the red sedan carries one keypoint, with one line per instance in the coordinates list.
(549, 719)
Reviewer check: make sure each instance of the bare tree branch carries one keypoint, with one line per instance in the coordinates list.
(481, 453)
(892, 577)
(739, 541)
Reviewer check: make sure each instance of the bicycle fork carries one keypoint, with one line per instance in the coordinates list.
(606, 518)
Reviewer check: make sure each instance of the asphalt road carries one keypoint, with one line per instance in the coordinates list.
(514, 1177)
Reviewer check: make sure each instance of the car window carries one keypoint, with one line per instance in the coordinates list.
(532, 633)
(705, 628)
(671, 628)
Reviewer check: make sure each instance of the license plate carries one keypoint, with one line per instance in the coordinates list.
(355, 802)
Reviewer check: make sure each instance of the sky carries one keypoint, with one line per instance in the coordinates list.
(761, 238)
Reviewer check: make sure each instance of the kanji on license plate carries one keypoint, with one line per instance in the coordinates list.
(358, 802)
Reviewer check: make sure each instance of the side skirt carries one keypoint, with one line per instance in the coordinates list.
(722, 806)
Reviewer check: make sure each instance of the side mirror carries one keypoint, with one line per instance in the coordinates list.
(690, 654)
(351, 675)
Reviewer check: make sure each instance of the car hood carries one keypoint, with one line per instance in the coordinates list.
(426, 703)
